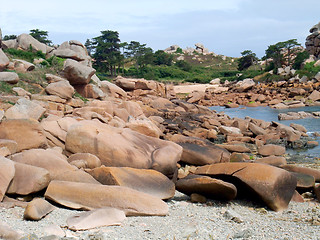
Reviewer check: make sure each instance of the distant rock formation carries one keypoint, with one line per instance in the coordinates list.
(313, 41)
(199, 49)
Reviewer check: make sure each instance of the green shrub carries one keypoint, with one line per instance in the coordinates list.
(309, 70)
(6, 87)
(56, 62)
(300, 58)
(24, 55)
(179, 50)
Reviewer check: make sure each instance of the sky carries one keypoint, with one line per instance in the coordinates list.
(225, 27)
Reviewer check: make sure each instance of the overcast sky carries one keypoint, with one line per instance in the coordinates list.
(224, 26)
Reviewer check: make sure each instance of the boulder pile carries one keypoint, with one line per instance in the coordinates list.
(122, 149)
(313, 41)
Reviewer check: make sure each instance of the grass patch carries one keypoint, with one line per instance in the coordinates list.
(6, 87)
(78, 95)
(24, 55)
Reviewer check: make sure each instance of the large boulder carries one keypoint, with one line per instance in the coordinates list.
(4, 60)
(27, 133)
(7, 172)
(197, 151)
(245, 85)
(62, 89)
(313, 41)
(55, 163)
(274, 186)
(207, 186)
(117, 147)
(75, 50)
(290, 134)
(25, 109)
(143, 180)
(92, 196)
(271, 149)
(314, 96)
(25, 41)
(112, 90)
(9, 77)
(77, 73)
(28, 179)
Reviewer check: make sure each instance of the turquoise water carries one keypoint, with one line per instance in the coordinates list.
(270, 114)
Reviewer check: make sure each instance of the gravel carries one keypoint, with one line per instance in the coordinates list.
(238, 219)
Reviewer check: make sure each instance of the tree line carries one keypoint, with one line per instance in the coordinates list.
(285, 53)
(110, 54)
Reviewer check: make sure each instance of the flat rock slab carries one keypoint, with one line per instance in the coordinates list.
(88, 196)
(274, 186)
(313, 172)
(207, 186)
(143, 180)
(96, 218)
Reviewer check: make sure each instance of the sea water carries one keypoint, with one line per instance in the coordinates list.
(269, 114)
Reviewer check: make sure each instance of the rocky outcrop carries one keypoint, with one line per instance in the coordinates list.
(25, 41)
(272, 185)
(313, 41)
(74, 50)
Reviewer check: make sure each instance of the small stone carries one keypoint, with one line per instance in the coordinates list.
(307, 195)
(232, 215)
(245, 233)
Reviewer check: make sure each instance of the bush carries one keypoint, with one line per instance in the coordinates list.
(6, 87)
(300, 58)
(179, 50)
(56, 62)
(185, 66)
(309, 70)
